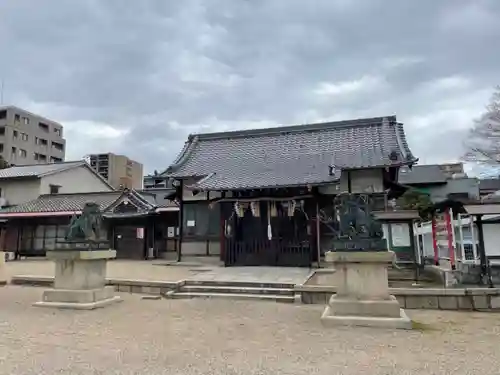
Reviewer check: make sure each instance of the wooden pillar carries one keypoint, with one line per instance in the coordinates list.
(181, 218)
(482, 250)
(318, 235)
(434, 242)
(413, 250)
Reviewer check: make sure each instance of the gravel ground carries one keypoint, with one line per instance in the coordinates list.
(233, 337)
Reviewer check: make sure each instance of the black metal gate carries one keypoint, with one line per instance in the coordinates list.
(267, 253)
(248, 242)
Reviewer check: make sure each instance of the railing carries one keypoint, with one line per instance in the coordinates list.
(275, 252)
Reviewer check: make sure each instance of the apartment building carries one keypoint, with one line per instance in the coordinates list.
(118, 170)
(26, 138)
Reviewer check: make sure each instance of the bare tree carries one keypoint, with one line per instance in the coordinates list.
(483, 142)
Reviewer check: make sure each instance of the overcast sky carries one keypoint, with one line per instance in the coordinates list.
(136, 77)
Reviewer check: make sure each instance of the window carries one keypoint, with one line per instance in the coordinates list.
(1, 147)
(43, 126)
(2, 130)
(199, 220)
(17, 119)
(15, 134)
(14, 151)
(24, 137)
(58, 131)
(26, 121)
(42, 157)
(41, 141)
(53, 159)
(54, 189)
(22, 153)
(3, 114)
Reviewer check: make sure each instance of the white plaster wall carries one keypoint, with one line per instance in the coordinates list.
(366, 181)
(20, 191)
(362, 181)
(76, 180)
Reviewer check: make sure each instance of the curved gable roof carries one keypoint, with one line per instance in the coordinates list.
(293, 155)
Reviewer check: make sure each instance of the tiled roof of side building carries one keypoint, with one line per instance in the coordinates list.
(64, 202)
(489, 184)
(107, 201)
(37, 170)
(292, 155)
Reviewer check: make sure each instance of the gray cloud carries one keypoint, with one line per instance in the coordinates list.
(138, 77)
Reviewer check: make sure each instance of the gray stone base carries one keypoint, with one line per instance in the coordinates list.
(78, 299)
(330, 320)
(379, 308)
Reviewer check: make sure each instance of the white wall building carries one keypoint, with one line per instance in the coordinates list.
(21, 184)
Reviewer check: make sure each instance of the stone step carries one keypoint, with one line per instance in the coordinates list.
(405, 274)
(240, 284)
(33, 280)
(237, 290)
(235, 296)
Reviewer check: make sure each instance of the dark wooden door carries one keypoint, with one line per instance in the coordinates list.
(128, 243)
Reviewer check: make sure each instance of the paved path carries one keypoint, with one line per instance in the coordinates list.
(157, 270)
(120, 269)
(284, 275)
(192, 337)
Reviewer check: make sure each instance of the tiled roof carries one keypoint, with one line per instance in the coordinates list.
(37, 170)
(294, 155)
(489, 184)
(421, 174)
(75, 202)
(64, 202)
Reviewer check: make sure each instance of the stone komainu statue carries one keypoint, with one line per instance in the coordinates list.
(86, 227)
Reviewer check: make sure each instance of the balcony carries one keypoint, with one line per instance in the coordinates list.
(56, 146)
(43, 127)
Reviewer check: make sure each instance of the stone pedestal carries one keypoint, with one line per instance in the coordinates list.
(363, 297)
(80, 280)
(3, 271)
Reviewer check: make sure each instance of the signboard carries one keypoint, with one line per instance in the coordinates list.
(140, 233)
(400, 235)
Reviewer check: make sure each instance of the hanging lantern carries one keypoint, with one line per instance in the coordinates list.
(269, 229)
(228, 229)
(291, 208)
(273, 209)
(240, 208)
(255, 208)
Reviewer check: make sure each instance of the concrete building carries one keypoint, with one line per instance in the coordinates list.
(118, 170)
(26, 138)
(441, 181)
